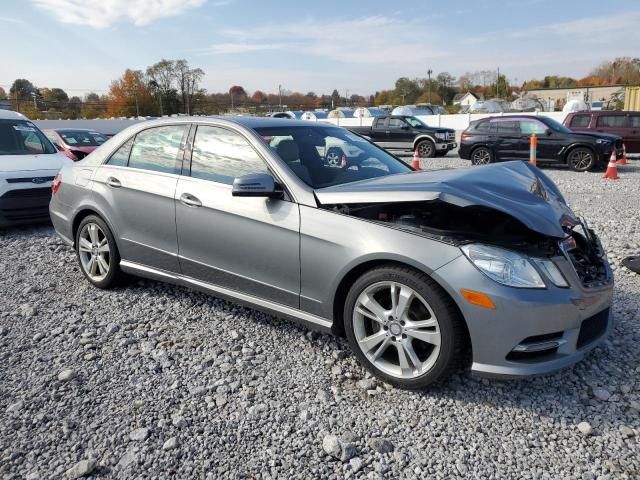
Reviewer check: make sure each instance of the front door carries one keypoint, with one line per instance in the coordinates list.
(247, 244)
(550, 143)
(400, 134)
(136, 188)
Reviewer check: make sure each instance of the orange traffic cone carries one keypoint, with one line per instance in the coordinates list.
(612, 169)
(533, 147)
(623, 159)
(415, 163)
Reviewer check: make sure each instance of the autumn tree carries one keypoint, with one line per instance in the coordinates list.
(237, 92)
(129, 95)
(162, 76)
(620, 70)
(259, 97)
(3, 94)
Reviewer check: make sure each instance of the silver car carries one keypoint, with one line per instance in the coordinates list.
(421, 271)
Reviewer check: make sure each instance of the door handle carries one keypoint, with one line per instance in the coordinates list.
(113, 182)
(189, 200)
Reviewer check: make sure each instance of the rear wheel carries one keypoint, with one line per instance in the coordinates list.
(581, 159)
(403, 327)
(334, 156)
(426, 149)
(481, 156)
(97, 252)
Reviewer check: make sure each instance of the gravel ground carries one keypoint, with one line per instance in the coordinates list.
(156, 381)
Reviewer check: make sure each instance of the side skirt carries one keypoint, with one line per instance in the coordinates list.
(309, 320)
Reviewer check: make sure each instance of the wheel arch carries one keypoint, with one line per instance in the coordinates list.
(350, 277)
(482, 145)
(421, 138)
(83, 213)
(575, 145)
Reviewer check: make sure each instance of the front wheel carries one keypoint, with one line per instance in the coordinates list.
(403, 327)
(426, 149)
(581, 159)
(97, 252)
(334, 156)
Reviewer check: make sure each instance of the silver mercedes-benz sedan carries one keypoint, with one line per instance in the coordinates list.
(421, 271)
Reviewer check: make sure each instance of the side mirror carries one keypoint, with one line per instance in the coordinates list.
(256, 185)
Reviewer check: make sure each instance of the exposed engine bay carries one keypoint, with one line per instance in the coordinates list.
(459, 225)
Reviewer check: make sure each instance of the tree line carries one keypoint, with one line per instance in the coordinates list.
(172, 86)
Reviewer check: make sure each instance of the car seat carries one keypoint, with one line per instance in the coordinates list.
(289, 152)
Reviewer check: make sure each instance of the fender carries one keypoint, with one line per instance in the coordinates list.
(563, 151)
(424, 136)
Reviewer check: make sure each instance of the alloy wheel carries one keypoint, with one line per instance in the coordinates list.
(425, 149)
(396, 329)
(481, 156)
(333, 158)
(581, 159)
(94, 252)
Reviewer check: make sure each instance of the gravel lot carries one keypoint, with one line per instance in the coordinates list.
(156, 381)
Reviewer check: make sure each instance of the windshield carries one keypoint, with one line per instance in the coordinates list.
(326, 156)
(557, 126)
(21, 137)
(80, 138)
(414, 122)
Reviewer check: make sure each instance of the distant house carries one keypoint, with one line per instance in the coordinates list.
(465, 99)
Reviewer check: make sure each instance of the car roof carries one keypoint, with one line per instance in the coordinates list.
(71, 129)
(11, 115)
(262, 122)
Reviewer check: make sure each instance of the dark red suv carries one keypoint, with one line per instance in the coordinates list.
(624, 124)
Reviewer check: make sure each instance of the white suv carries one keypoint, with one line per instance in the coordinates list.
(28, 164)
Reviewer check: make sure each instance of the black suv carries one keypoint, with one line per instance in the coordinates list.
(497, 139)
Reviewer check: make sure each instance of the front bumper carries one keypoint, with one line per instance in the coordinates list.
(446, 146)
(24, 205)
(578, 319)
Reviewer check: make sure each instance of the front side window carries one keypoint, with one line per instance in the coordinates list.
(396, 123)
(221, 155)
(580, 121)
(157, 148)
(21, 137)
(635, 121)
(527, 127)
(612, 121)
(308, 152)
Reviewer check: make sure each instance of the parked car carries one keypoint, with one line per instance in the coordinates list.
(621, 123)
(419, 270)
(28, 164)
(75, 143)
(407, 133)
(498, 139)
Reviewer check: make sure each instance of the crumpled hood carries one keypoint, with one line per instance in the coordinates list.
(516, 188)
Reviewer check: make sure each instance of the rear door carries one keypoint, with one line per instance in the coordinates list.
(632, 139)
(246, 244)
(613, 123)
(507, 140)
(136, 189)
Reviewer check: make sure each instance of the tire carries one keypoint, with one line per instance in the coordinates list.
(581, 159)
(99, 258)
(333, 157)
(426, 149)
(481, 156)
(379, 341)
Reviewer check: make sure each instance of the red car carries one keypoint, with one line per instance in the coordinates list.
(75, 143)
(616, 122)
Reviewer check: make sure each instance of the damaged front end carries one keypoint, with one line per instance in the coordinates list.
(512, 206)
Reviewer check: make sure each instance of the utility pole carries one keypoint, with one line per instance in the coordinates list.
(35, 103)
(280, 94)
(346, 97)
(498, 84)
(429, 72)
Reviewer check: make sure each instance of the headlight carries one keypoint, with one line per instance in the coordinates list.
(441, 136)
(503, 266)
(551, 271)
(602, 141)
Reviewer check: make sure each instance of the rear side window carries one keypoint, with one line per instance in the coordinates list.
(221, 155)
(121, 156)
(483, 127)
(157, 148)
(635, 121)
(580, 121)
(612, 121)
(508, 127)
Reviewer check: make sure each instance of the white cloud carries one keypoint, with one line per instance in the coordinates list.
(373, 40)
(11, 20)
(104, 13)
